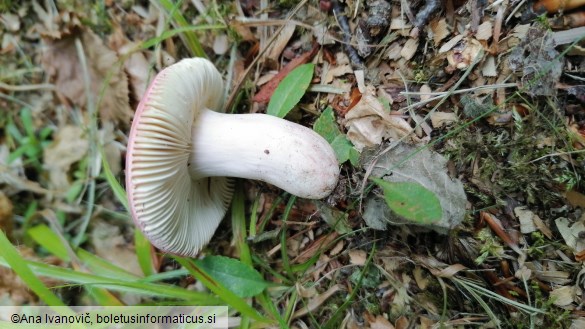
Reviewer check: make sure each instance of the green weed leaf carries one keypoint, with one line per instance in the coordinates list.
(290, 90)
(327, 128)
(411, 201)
(239, 278)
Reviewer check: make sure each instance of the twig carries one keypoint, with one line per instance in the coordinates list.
(345, 29)
(425, 12)
(26, 87)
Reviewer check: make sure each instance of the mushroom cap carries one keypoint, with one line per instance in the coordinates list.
(178, 214)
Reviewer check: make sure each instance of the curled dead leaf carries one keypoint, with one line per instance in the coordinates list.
(60, 59)
(69, 146)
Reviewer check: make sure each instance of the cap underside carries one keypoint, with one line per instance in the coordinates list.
(178, 214)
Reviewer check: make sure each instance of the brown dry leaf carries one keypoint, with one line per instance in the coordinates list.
(564, 296)
(464, 53)
(263, 96)
(281, 41)
(337, 71)
(138, 69)
(451, 43)
(369, 122)
(357, 257)
(440, 30)
(409, 48)
(449, 271)
(422, 281)
(316, 301)
(320, 245)
(525, 218)
(484, 30)
(571, 233)
(441, 119)
(13, 291)
(5, 214)
(489, 67)
(69, 146)
(61, 62)
(381, 323)
(402, 323)
(575, 198)
(112, 246)
(537, 62)
(336, 250)
(306, 292)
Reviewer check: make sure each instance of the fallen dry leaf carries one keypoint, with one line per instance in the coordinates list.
(464, 53)
(68, 147)
(61, 61)
(316, 301)
(564, 296)
(357, 257)
(263, 96)
(440, 30)
(283, 38)
(112, 246)
(406, 163)
(441, 119)
(575, 198)
(409, 48)
(571, 233)
(369, 122)
(525, 218)
(381, 322)
(337, 71)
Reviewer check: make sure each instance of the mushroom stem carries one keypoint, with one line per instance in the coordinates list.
(262, 147)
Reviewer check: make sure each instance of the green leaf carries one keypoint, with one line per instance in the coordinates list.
(239, 278)
(412, 201)
(45, 237)
(143, 252)
(290, 90)
(20, 266)
(190, 39)
(327, 128)
(228, 297)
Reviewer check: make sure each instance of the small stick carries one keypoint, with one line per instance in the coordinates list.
(344, 25)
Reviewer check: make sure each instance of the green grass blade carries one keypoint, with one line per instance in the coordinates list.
(239, 226)
(190, 39)
(143, 252)
(113, 181)
(116, 284)
(171, 33)
(45, 237)
(20, 266)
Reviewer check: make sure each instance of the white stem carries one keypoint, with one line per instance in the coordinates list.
(266, 148)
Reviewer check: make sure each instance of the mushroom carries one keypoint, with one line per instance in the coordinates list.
(181, 153)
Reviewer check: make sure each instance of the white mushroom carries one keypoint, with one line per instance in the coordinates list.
(180, 153)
